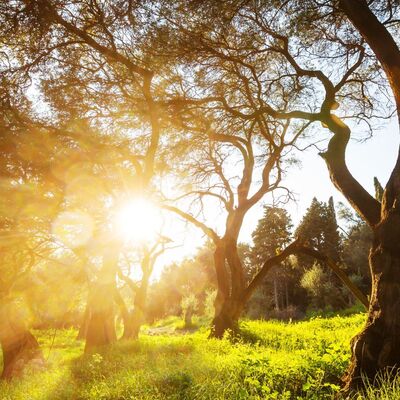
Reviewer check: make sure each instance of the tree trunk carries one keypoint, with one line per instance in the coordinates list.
(137, 316)
(101, 324)
(227, 319)
(231, 287)
(276, 296)
(286, 294)
(20, 348)
(84, 323)
(221, 320)
(377, 347)
(188, 317)
(133, 325)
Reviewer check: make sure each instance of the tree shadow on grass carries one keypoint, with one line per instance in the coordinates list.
(127, 370)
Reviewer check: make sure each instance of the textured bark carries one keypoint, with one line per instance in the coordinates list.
(229, 300)
(135, 318)
(101, 324)
(20, 348)
(84, 323)
(221, 320)
(366, 205)
(227, 319)
(377, 347)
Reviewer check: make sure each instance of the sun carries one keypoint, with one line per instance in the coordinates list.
(138, 220)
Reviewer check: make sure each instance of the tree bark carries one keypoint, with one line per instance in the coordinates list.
(84, 323)
(377, 347)
(223, 316)
(229, 302)
(101, 324)
(137, 316)
(20, 348)
(276, 297)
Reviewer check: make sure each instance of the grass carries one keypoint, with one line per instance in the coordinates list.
(272, 360)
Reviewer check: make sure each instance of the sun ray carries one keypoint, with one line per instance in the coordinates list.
(138, 220)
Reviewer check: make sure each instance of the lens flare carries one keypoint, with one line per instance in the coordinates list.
(73, 228)
(138, 220)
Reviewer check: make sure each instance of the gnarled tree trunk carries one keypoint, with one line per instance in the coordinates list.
(101, 323)
(84, 323)
(229, 302)
(20, 348)
(377, 348)
(135, 318)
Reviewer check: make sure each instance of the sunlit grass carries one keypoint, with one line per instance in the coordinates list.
(273, 360)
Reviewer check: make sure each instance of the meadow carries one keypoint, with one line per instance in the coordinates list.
(271, 360)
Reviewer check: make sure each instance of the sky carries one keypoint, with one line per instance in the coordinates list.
(375, 156)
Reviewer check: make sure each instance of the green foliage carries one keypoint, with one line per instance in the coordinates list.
(209, 303)
(272, 234)
(279, 290)
(194, 275)
(189, 305)
(319, 228)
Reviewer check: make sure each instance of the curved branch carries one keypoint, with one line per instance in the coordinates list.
(105, 51)
(188, 217)
(366, 205)
(297, 247)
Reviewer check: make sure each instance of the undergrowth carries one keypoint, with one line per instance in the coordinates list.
(271, 360)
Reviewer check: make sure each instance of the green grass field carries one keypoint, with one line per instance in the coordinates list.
(272, 360)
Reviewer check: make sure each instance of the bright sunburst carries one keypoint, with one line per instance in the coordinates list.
(138, 220)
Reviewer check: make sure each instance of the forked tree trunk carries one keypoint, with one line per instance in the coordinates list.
(20, 348)
(136, 317)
